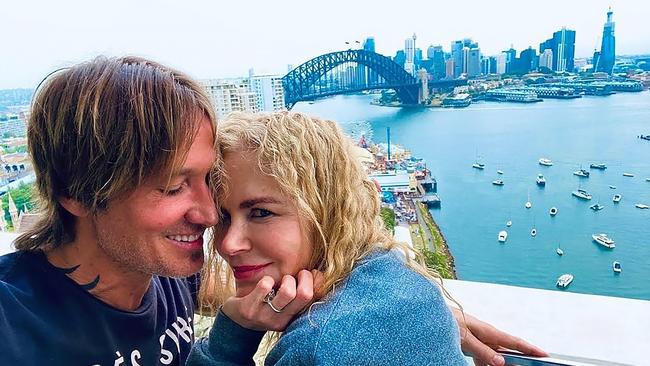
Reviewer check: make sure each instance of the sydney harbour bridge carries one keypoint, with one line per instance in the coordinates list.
(351, 71)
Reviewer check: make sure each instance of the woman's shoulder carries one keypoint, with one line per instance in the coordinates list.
(381, 314)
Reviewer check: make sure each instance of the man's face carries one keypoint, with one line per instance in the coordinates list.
(159, 232)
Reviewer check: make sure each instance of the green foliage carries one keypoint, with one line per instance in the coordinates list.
(13, 149)
(22, 195)
(388, 215)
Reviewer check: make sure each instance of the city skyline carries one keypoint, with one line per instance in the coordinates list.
(208, 40)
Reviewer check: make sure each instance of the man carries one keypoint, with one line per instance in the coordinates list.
(122, 150)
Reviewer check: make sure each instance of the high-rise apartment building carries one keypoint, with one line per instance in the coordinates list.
(231, 95)
(605, 61)
(269, 93)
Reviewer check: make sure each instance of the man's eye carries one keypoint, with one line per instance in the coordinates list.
(260, 212)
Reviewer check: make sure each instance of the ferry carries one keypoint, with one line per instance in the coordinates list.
(581, 193)
(512, 95)
(564, 281)
(603, 240)
(545, 162)
(600, 166)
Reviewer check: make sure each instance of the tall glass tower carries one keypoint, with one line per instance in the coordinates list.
(608, 47)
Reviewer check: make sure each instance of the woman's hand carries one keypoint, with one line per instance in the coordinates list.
(291, 297)
(480, 340)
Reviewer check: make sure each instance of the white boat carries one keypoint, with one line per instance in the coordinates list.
(533, 232)
(647, 179)
(617, 198)
(612, 187)
(509, 223)
(478, 165)
(603, 240)
(581, 193)
(545, 162)
(503, 236)
(528, 203)
(628, 174)
(582, 173)
(541, 181)
(642, 206)
(600, 166)
(497, 182)
(499, 171)
(564, 281)
(552, 211)
(616, 266)
(559, 250)
(596, 207)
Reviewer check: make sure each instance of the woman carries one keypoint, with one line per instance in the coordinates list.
(293, 197)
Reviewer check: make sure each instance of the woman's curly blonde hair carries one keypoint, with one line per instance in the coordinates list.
(315, 165)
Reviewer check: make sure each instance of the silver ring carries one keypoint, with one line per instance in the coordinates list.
(268, 300)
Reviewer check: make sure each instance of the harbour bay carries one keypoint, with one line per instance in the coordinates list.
(512, 137)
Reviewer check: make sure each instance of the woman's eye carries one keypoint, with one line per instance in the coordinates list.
(174, 191)
(260, 212)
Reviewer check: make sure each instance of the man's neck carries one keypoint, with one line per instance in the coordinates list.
(90, 267)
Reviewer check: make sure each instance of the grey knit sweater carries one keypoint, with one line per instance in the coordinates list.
(382, 314)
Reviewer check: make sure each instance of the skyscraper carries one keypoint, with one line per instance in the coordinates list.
(370, 75)
(457, 56)
(564, 51)
(437, 55)
(563, 47)
(409, 50)
(546, 59)
(605, 62)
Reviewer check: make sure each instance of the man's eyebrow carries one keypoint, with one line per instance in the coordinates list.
(254, 201)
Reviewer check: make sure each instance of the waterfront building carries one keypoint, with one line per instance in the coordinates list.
(546, 59)
(269, 93)
(457, 56)
(605, 62)
(231, 95)
(13, 125)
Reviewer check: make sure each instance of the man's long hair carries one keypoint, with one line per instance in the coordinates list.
(99, 129)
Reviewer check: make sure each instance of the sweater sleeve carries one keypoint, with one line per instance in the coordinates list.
(228, 344)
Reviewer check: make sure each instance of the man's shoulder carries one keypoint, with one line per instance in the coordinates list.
(16, 264)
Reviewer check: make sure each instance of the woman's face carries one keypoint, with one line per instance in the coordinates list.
(261, 233)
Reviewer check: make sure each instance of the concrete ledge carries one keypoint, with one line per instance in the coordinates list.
(578, 325)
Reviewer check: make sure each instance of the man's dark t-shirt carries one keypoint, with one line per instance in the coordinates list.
(48, 319)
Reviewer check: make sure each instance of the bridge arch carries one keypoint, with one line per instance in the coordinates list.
(302, 83)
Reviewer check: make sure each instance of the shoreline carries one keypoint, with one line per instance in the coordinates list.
(440, 243)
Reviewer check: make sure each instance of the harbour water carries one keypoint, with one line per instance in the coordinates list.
(512, 138)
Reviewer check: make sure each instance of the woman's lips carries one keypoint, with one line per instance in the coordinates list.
(245, 272)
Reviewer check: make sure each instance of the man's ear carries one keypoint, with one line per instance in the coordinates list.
(74, 207)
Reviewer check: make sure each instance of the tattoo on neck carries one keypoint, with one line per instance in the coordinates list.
(67, 270)
(88, 286)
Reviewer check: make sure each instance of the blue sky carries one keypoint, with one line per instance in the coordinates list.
(226, 38)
